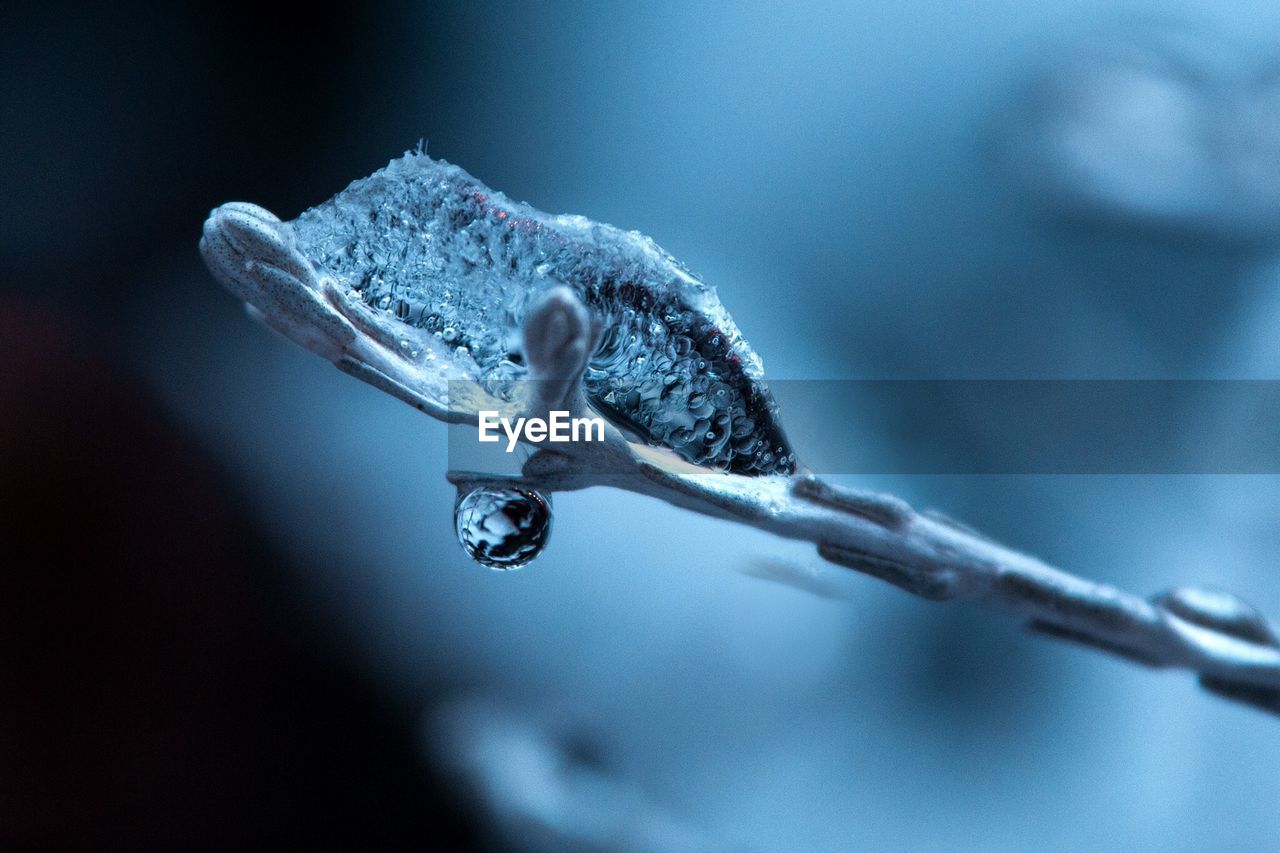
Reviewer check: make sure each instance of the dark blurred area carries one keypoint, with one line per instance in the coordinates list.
(233, 610)
(165, 687)
(167, 683)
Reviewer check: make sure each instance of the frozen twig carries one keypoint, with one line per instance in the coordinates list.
(1232, 648)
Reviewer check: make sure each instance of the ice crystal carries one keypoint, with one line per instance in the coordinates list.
(457, 265)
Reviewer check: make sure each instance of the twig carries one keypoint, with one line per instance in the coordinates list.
(1233, 649)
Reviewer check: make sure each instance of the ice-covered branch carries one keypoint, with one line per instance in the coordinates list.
(1235, 651)
(429, 286)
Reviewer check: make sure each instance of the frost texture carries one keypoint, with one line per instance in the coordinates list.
(456, 265)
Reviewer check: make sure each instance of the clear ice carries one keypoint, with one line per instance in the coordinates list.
(457, 265)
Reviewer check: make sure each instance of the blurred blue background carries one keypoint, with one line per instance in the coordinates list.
(877, 190)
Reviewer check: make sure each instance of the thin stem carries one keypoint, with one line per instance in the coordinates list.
(1232, 648)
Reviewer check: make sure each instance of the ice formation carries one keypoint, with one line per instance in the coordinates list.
(456, 266)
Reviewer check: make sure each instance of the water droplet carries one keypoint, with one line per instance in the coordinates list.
(502, 528)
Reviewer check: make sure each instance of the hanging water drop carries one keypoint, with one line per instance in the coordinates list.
(502, 528)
